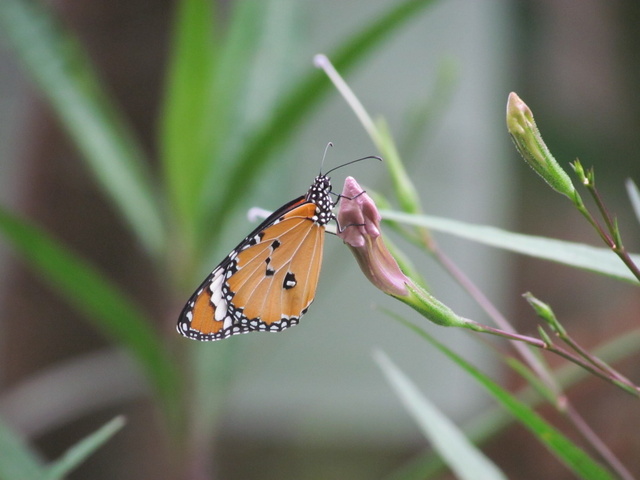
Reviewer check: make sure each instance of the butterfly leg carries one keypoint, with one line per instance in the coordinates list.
(340, 196)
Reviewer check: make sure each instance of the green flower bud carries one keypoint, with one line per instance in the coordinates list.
(527, 139)
(544, 312)
(579, 169)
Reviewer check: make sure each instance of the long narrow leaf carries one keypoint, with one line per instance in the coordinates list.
(299, 102)
(598, 260)
(77, 454)
(466, 460)
(63, 72)
(252, 74)
(102, 303)
(235, 58)
(16, 459)
(566, 451)
(273, 63)
(187, 129)
(493, 420)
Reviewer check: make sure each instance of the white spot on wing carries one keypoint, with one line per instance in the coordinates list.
(215, 287)
(221, 310)
(216, 282)
(216, 296)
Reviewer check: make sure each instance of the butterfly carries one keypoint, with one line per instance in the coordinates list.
(269, 280)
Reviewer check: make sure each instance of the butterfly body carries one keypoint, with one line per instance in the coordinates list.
(269, 280)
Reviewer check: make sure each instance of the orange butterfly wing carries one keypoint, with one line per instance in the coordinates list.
(267, 282)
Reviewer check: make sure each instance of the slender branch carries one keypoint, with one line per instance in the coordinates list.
(615, 241)
(625, 385)
(597, 362)
(597, 227)
(611, 238)
(536, 342)
(550, 347)
(604, 212)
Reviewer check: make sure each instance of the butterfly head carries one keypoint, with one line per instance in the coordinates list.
(320, 194)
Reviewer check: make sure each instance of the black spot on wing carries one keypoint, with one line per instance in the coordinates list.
(289, 281)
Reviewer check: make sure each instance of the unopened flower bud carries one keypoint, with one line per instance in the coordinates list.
(527, 139)
(545, 312)
(359, 222)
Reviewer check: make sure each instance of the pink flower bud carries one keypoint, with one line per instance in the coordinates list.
(359, 228)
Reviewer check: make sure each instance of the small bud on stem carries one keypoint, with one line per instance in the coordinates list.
(527, 139)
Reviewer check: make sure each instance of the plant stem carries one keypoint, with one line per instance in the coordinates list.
(615, 245)
(596, 370)
(625, 385)
(598, 363)
(536, 342)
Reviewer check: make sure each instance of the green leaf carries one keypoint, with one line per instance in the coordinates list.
(211, 104)
(489, 423)
(598, 260)
(532, 379)
(16, 459)
(60, 67)
(102, 303)
(466, 461)
(187, 129)
(298, 103)
(571, 455)
(254, 69)
(77, 454)
(230, 92)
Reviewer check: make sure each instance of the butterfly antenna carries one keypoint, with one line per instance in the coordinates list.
(353, 161)
(324, 155)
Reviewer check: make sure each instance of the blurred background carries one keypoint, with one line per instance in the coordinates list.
(310, 403)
